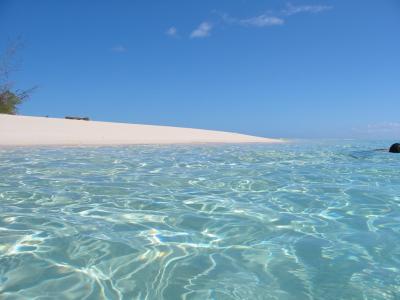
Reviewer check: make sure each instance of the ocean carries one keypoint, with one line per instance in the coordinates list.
(304, 220)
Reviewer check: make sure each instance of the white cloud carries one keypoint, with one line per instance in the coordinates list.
(203, 30)
(383, 129)
(296, 9)
(172, 31)
(271, 18)
(267, 19)
(119, 49)
(226, 18)
(262, 21)
(384, 126)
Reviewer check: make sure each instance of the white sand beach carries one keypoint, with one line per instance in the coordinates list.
(31, 131)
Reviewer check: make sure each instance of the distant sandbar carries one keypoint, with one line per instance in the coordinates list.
(32, 131)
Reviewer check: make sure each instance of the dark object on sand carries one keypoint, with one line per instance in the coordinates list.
(77, 118)
(395, 148)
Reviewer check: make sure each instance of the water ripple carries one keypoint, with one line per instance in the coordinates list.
(298, 221)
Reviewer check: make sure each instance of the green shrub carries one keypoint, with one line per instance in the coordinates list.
(9, 102)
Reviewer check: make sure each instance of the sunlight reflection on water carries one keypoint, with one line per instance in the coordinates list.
(316, 220)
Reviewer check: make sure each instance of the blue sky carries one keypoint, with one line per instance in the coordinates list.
(269, 68)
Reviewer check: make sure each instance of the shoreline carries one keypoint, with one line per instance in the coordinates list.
(20, 131)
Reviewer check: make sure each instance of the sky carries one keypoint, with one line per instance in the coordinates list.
(291, 69)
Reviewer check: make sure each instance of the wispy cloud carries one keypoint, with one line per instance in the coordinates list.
(382, 129)
(296, 9)
(262, 21)
(203, 30)
(274, 18)
(119, 49)
(384, 126)
(268, 18)
(172, 31)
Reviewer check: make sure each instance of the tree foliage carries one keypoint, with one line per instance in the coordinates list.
(9, 101)
(11, 98)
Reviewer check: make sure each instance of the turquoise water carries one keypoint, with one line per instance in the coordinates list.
(315, 220)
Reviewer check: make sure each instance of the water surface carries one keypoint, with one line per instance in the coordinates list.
(315, 220)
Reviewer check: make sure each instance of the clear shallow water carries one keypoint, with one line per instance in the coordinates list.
(314, 220)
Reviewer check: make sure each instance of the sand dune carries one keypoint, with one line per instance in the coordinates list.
(25, 131)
